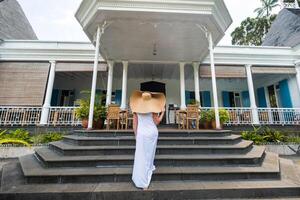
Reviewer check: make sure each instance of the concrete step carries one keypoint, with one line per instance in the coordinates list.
(52, 159)
(171, 140)
(14, 189)
(35, 173)
(74, 150)
(162, 132)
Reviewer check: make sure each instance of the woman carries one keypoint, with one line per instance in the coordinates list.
(145, 106)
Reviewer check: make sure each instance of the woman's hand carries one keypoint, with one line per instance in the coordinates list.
(135, 123)
(158, 118)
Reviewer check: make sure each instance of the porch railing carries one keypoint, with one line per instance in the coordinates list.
(63, 116)
(290, 5)
(237, 116)
(12, 116)
(279, 116)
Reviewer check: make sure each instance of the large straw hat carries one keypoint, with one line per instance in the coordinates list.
(147, 102)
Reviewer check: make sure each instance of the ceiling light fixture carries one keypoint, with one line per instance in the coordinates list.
(154, 49)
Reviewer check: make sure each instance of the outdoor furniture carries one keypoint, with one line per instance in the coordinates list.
(192, 115)
(130, 118)
(181, 119)
(264, 116)
(246, 116)
(123, 119)
(113, 116)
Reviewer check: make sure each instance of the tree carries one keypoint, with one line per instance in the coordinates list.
(267, 6)
(252, 31)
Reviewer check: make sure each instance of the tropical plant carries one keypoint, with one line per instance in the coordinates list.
(19, 137)
(267, 7)
(271, 135)
(253, 135)
(205, 116)
(293, 140)
(223, 115)
(194, 102)
(14, 141)
(82, 112)
(44, 138)
(252, 31)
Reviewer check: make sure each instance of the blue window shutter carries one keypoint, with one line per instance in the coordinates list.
(262, 102)
(54, 98)
(285, 95)
(189, 95)
(245, 99)
(226, 100)
(118, 97)
(206, 99)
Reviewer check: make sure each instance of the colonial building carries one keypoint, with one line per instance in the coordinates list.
(167, 47)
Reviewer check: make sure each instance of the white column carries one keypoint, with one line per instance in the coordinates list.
(298, 75)
(196, 81)
(124, 85)
(182, 86)
(94, 82)
(47, 103)
(255, 119)
(296, 4)
(109, 81)
(214, 80)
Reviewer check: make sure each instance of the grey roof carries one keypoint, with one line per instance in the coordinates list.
(285, 30)
(13, 22)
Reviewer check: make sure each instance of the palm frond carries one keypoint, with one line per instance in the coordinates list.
(14, 141)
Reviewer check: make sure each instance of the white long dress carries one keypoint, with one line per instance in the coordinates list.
(146, 141)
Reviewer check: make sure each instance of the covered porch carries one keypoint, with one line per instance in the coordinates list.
(275, 102)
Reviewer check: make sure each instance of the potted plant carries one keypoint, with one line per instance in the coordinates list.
(82, 112)
(205, 119)
(194, 102)
(100, 113)
(223, 116)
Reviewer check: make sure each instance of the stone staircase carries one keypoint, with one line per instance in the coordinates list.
(190, 165)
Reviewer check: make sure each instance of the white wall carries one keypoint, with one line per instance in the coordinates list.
(83, 82)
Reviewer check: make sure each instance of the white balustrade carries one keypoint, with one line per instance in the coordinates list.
(63, 116)
(12, 116)
(279, 116)
(290, 5)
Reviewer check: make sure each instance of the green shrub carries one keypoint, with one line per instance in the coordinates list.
(223, 115)
(46, 138)
(14, 141)
(205, 116)
(19, 136)
(293, 140)
(272, 135)
(82, 112)
(253, 135)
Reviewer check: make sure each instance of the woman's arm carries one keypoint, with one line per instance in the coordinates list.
(135, 123)
(158, 118)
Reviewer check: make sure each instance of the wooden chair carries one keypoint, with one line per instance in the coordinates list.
(181, 119)
(192, 114)
(130, 119)
(113, 116)
(124, 119)
(264, 116)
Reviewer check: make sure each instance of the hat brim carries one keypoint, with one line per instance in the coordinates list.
(153, 105)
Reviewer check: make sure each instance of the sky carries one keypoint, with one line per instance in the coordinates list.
(54, 19)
